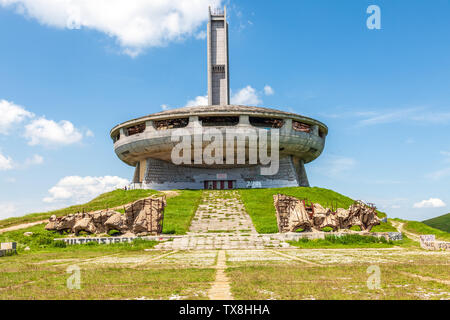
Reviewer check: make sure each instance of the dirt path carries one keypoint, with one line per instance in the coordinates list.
(399, 226)
(22, 226)
(220, 289)
(425, 278)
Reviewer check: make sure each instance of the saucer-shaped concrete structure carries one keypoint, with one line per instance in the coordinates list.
(148, 143)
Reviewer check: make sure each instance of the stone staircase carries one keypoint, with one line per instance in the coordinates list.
(221, 222)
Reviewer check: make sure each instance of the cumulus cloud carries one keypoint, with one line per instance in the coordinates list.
(50, 133)
(246, 96)
(134, 24)
(11, 114)
(431, 203)
(165, 107)
(6, 163)
(76, 189)
(268, 90)
(198, 101)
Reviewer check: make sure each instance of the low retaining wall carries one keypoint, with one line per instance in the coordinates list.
(428, 242)
(112, 240)
(393, 236)
(8, 248)
(390, 236)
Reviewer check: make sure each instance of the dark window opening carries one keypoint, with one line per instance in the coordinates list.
(171, 124)
(266, 123)
(218, 68)
(136, 129)
(116, 138)
(219, 121)
(301, 127)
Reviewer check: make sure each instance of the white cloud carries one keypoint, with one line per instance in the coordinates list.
(135, 24)
(419, 115)
(89, 133)
(268, 90)
(437, 175)
(75, 189)
(50, 133)
(198, 101)
(337, 165)
(389, 117)
(165, 107)
(6, 163)
(35, 160)
(7, 210)
(246, 96)
(201, 35)
(431, 203)
(11, 114)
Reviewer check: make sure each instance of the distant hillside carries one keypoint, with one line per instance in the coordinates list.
(441, 223)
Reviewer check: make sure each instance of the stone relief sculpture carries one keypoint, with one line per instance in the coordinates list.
(143, 217)
(294, 214)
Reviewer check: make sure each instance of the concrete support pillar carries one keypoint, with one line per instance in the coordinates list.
(136, 178)
(122, 133)
(302, 177)
(287, 127)
(149, 126)
(142, 170)
(193, 121)
(315, 130)
(244, 120)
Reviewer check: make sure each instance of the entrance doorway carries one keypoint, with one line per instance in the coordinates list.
(220, 185)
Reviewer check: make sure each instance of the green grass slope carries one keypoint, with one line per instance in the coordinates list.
(105, 201)
(180, 210)
(423, 229)
(259, 205)
(441, 223)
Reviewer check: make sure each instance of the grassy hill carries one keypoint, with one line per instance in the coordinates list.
(259, 205)
(441, 223)
(105, 201)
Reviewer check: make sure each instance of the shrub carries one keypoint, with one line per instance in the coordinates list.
(59, 244)
(43, 239)
(114, 233)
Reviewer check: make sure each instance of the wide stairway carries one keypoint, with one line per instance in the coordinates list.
(221, 222)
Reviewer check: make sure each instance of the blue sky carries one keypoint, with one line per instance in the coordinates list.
(70, 72)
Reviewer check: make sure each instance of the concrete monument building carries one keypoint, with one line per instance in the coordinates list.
(147, 143)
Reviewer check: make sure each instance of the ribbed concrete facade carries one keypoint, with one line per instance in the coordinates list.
(162, 175)
(218, 71)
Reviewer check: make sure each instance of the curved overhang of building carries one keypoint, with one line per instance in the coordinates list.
(218, 111)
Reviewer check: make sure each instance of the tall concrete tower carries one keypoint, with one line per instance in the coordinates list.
(218, 71)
